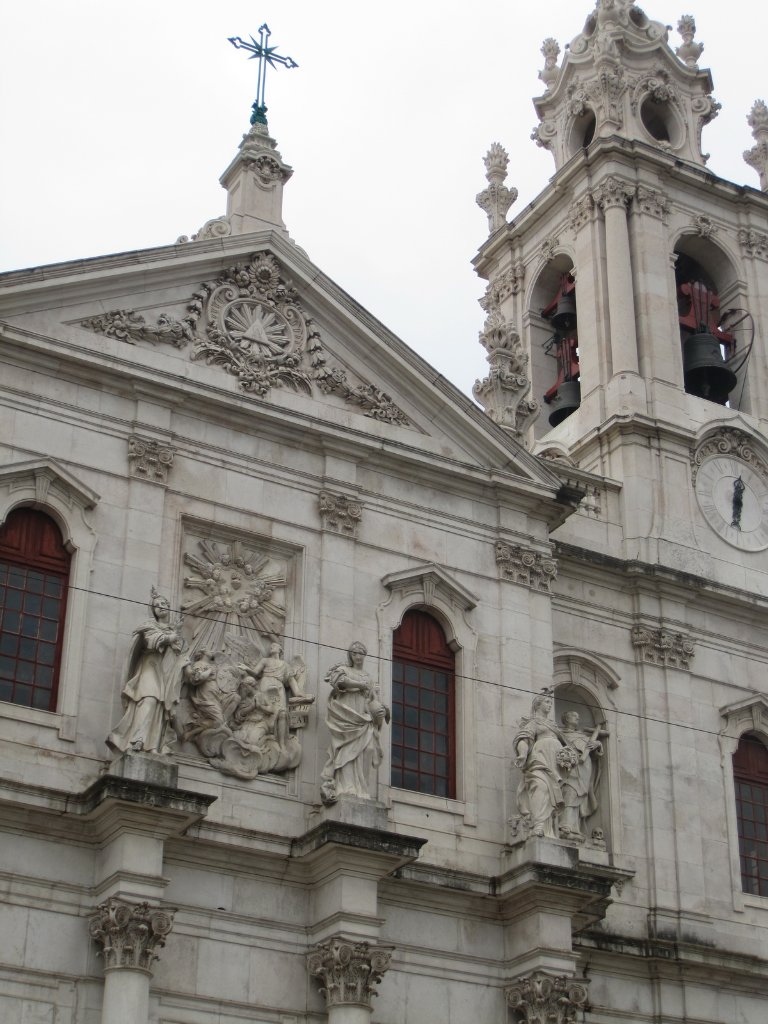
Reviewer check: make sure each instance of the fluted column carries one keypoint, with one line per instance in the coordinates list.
(613, 196)
(129, 935)
(348, 973)
(542, 998)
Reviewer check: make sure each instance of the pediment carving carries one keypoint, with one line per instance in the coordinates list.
(747, 715)
(430, 580)
(251, 323)
(44, 478)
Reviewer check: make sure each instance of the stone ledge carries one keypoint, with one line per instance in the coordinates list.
(338, 833)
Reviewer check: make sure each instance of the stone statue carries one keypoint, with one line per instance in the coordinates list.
(273, 677)
(355, 716)
(544, 757)
(579, 785)
(153, 684)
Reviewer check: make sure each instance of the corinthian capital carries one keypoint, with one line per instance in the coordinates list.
(129, 933)
(546, 999)
(612, 192)
(349, 972)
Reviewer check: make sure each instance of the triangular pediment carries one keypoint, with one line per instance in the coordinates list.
(250, 322)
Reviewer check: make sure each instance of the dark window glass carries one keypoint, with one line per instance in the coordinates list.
(34, 571)
(750, 771)
(421, 656)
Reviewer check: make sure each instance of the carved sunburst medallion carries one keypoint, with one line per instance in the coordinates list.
(257, 328)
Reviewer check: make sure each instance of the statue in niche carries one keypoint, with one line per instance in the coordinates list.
(355, 717)
(152, 688)
(240, 716)
(544, 758)
(579, 785)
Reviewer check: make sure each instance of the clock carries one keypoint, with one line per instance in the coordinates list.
(734, 500)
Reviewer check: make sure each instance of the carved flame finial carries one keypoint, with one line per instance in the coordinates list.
(689, 51)
(497, 198)
(757, 157)
(550, 51)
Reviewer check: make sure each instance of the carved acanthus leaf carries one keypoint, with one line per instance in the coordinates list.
(349, 972)
(613, 192)
(526, 567)
(663, 647)
(249, 321)
(543, 998)
(129, 933)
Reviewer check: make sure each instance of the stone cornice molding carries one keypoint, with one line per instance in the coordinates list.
(526, 567)
(340, 513)
(130, 933)
(44, 475)
(149, 459)
(349, 972)
(430, 580)
(613, 192)
(663, 647)
(543, 998)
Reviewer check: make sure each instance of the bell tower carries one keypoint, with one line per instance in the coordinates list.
(636, 283)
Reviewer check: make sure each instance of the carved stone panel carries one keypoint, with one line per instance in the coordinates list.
(663, 647)
(528, 568)
(340, 513)
(130, 933)
(149, 459)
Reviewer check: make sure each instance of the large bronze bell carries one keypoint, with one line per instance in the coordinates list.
(564, 402)
(564, 317)
(704, 369)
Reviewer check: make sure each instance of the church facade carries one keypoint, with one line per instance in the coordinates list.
(327, 694)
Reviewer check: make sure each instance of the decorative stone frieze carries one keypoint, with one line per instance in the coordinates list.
(728, 441)
(688, 51)
(550, 51)
(652, 202)
(504, 393)
(754, 243)
(528, 568)
(757, 157)
(130, 933)
(581, 211)
(497, 198)
(250, 322)
(340, 513)
(149, 459)
(542, 998)
(613, 192)
(349, 972)
(663, 647)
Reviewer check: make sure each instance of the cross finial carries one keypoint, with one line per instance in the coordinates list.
(265, 54)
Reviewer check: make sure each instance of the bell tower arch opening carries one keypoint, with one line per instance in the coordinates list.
(554, 342)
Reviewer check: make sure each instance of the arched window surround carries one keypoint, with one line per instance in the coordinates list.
(47, 486)
(749, 715)
(432, 589)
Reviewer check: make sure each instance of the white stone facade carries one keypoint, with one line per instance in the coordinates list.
(218, 424)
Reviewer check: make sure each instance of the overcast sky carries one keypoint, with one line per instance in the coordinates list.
(118, 118)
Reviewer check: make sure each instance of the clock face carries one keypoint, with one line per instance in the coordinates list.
(734, 500)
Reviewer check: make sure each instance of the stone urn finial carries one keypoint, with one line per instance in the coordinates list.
(497, 198)
(757, 157)
(689, 52)
(550, 51)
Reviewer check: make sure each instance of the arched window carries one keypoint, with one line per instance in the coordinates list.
(34, 572)
(423, 728)
(750, 774)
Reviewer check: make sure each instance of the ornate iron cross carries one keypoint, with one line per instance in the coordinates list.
(265, 54)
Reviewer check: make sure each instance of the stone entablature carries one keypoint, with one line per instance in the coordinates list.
(130, 933)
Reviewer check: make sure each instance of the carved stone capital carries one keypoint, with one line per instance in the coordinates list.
(613, 192)
(663, 647)
(129, 933)
(651, 202)
(581, 211)
(543, 998)
(528, 568)
(149, 459)
(754, 243)
(508, 282)
(349, 972)
(340, 513)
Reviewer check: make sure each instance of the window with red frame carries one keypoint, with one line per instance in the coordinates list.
(34, 572)
(423, 712)
(750, 773)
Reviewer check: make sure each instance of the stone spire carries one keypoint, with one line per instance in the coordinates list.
(757, 157)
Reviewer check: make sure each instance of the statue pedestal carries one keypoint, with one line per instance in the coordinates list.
(352, 810)
(149, 768)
